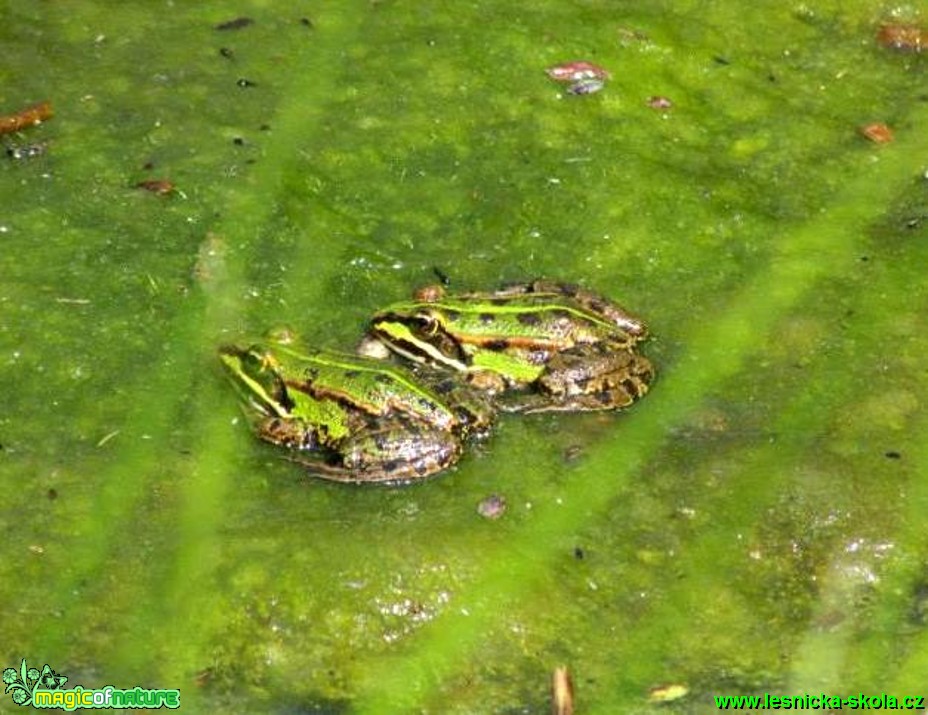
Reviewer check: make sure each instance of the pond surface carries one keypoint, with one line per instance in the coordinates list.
(756, 524)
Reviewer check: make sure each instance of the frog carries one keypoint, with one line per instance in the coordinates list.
(538, 346)
(353, 419)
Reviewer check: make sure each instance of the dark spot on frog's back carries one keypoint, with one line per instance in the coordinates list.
(443, 387)
(498, 345)
(379, 377)
(353, 374)
(530, 319)
(426, 405)
(487, 318)
(633, 389)
(560, 320)
(463, 415)
(605, 397)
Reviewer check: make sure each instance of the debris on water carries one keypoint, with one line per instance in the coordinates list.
(906, 38)
(562, 692)
(30, 116)
(577, 70)
(162, 187)
(586, 86)
(877, 132)
(583, 77)
(236, 24)
(493, 507)
(658, 102)
(667, 693)
(573, 453)
(26, 151)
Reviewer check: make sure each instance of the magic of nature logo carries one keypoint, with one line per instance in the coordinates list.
(45, 689)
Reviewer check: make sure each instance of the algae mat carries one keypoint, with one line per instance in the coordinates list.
(753, 526)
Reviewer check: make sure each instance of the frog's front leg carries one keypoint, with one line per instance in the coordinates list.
(292, 434)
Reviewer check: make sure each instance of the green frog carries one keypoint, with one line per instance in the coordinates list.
(352, 419)
(536, 347)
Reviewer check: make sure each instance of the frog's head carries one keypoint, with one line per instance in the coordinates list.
(254, 373)
(417, 331)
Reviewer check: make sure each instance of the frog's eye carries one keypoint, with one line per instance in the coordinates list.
(427, 323)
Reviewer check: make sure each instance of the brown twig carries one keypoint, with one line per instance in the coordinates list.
(36, 114)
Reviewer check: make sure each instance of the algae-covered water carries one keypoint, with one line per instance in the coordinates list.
(754, 525)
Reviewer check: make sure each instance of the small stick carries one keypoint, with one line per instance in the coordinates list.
(30, 116)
